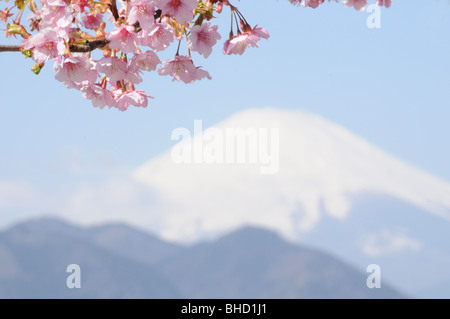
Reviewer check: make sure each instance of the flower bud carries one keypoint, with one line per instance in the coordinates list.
(242, 25)
(17, 29)
(26, 53)
(32, 6)
(75, 34)
(37, 68)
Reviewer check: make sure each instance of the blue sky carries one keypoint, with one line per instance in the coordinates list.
(388, 85)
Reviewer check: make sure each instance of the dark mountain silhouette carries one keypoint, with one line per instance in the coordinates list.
(35, 255)
(256, 263)
(119, 261)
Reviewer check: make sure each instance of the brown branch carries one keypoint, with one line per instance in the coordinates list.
(10, 48)
(113, 7)
(88, 47)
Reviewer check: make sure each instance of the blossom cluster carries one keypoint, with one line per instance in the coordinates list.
(129, 34)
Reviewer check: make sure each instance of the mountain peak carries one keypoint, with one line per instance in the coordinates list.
(252, 234)
(44, 225)
(322, 166)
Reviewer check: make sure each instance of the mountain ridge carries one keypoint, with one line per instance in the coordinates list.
(249, 263)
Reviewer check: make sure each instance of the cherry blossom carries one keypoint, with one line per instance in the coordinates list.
(359, 5)
(99, 96)
(68, 31)
(134, 97)
(123, 38)
(181, 10)
(56, 13)
(117, 70)
(45, 45)
(182, 69)
(159, 37)
(133, 74)
(203, 38)
(142, 11)
(238, 44)
(147, 61)
(312, 3)
(92, 21)
(386, 3)
(75, 70)
(114, 69)
(260, 32)
(80, 5)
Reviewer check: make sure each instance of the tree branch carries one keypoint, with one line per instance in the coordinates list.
(114, 11)
(88, 47)
(10, 48)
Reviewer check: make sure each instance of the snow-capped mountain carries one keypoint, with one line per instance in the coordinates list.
(313, 182)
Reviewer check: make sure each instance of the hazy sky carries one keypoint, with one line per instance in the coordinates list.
(388, 85)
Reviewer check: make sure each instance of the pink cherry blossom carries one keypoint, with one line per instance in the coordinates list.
(123, 38)
(181, 10)
(46, 44)
(359, 5)
(115, 69)
(142, 11)
(158, 37)
(80, 5)
(312, 3)
(92, 20)
(203, 38)
(57, 29)
(134, 97)
(56, 13)
(133, 73)
(75, 70)
(182, 69)
(238, 44)
(260, 32)
(99, 96)
(200, 74)
(146, 61)
(386, 3)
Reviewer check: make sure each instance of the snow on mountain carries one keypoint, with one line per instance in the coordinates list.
(321, 168)
(320, 185)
